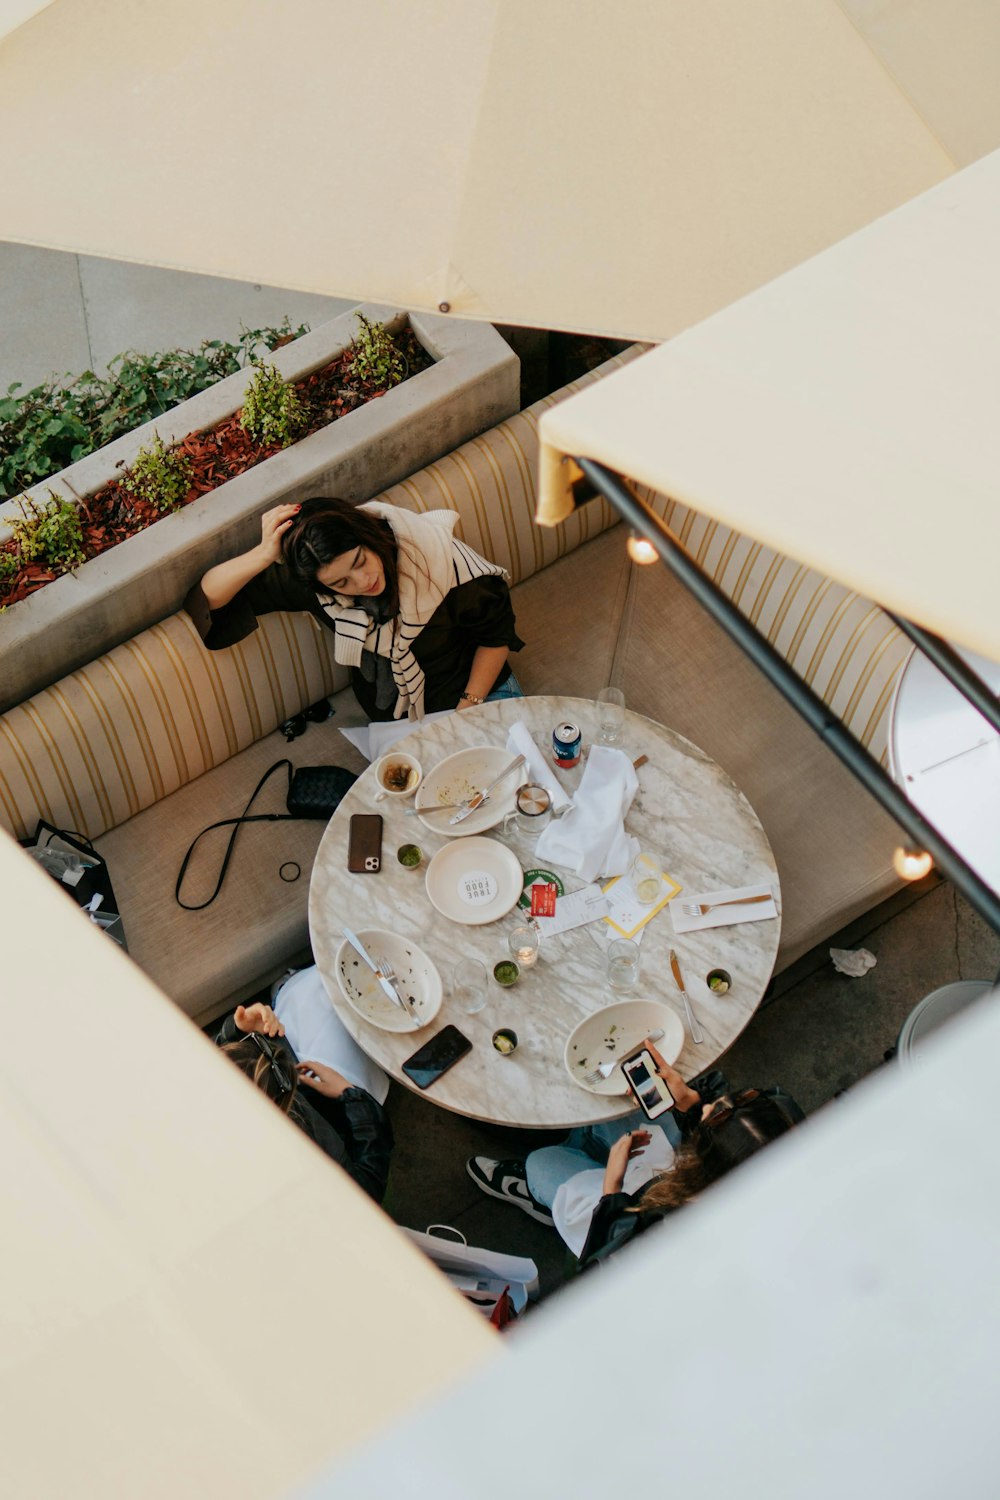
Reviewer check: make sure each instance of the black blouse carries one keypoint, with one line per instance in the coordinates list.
(474, 614)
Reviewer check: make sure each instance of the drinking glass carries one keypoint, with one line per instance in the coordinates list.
(623, 963)
(610, 715)
(647, 879)
(523, 945)
(468, 985)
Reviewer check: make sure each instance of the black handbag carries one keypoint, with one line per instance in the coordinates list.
(313, 792)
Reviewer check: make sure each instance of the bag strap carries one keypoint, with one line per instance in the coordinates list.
(236, 824)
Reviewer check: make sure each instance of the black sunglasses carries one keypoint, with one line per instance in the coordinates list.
(316, 713)
(278, 1070)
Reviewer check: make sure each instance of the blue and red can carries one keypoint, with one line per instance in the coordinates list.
(567, 742)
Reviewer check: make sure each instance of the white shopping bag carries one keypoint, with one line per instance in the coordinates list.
(462, 1261)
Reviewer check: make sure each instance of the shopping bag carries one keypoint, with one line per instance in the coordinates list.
(499, 1285)
(71, 859)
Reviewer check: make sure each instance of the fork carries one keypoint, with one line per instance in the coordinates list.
(385, 971)
(605, 1069)
(696, 909)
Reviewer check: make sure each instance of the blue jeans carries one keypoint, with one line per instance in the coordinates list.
(509, 689)
(583, 1149)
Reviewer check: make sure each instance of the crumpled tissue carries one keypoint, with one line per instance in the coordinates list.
(855, 962)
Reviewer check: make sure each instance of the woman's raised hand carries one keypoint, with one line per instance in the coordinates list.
(259, 1018)
(273, 525)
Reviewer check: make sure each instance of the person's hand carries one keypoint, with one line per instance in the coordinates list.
(323, 1079)
(259, 1018)
(625, 1147)
(662, 1066)
(273, 525)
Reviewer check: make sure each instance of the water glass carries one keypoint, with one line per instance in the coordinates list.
(468, 985)
(523, 945)
(623, 963)
(610, 715)
(647, 879)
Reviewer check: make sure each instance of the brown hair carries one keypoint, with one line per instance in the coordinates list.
(690, 1174)
(270, 1066)
(326, 528)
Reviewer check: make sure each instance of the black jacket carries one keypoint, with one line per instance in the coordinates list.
(353, 1130)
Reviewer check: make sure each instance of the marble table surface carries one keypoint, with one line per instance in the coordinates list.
(687, 811)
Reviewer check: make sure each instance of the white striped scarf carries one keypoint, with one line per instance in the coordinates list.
(430, 563)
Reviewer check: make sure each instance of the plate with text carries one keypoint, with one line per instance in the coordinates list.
(474, 881)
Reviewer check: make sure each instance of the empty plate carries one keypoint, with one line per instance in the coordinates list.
(474, 881)
(416, 980)
(459, 777)
(614, 1031)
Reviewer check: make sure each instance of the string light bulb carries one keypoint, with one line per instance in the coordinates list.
(640, 549)
(912, 864)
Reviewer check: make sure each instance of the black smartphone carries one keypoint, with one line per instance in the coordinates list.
(652, 1094)
(436, 1056)
(364, 844)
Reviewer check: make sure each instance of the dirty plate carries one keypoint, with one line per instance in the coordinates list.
(614, 1031)
(416, 979)
(460, 777)
(474, 881)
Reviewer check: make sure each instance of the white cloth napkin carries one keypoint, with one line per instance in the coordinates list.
(520, 742)
(590, 839)
(723, 916)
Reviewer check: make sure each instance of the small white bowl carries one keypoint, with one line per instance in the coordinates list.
(398, 758)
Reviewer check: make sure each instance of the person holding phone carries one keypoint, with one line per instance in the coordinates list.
(422, 621)
(345, 1120)
(649, 1169)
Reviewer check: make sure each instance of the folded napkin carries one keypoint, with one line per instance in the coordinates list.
(591, 839)
(520, 742)
(722, 916)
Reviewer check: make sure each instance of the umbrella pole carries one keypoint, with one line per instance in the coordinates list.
(802, 698)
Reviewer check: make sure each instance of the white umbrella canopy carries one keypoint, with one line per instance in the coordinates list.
(846, 414)
(623, 171)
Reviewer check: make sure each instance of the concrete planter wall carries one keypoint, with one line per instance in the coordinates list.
(472, 385)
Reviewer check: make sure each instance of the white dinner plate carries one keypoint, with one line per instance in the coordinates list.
(615, 1030)
(475, 881)
(459, 776)
(416, 979)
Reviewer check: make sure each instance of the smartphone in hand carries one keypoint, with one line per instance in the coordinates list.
(651, 1093)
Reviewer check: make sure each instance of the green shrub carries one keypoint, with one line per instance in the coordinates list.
(377, 361)
(50, 533)
(53, 425)
(272, 411)
(159, 475)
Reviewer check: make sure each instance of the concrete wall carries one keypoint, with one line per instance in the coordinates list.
(473, 385)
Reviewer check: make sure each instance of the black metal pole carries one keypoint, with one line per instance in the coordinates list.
(802, 698)
(957, 671)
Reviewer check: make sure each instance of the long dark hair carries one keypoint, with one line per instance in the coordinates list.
(270, 1066)
(326, 528)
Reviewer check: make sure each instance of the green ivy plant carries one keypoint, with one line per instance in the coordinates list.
(377, 361)
(50, 532)
(272, 411)
(159, 475)
(52, 425)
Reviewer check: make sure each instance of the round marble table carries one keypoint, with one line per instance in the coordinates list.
(686, 810)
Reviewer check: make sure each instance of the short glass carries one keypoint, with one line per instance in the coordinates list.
(468, 985)
(410, 856)
(647, 879)
(505, 1041)
(506, 973)
(523, 945)
(623, 963)
(610, 715)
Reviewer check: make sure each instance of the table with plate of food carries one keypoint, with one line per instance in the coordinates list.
(446, 918)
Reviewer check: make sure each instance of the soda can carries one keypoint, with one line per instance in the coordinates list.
(567, 742)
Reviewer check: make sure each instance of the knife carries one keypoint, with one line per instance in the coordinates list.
(478, 798)
(697, 1035)
(390, 989)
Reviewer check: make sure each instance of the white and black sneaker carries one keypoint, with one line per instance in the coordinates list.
(507, 1180)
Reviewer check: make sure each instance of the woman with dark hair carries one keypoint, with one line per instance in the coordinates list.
(345, 1121)
(422, 621)
(701, 1139)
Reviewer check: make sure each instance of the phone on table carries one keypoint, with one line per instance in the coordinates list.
(436, 1056)
(652, 1094)
(364, 844)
